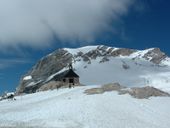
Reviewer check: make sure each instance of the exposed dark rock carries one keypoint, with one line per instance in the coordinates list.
(79, 54)
(93, 91)
(104, 88)
(122, 52)
(156, 55)
(51, 64)
(112, 87)
(104, 50)
(125, 65)
(46, 67)
(86, 58)
(144, 92)
(104, 59)
(139, 93)
(85, 66)
(51, 85)
(93, 54)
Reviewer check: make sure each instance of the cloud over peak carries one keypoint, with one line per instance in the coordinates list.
(36, 23)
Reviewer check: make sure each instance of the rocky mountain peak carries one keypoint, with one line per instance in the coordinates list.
(61, 58)
(155, 55)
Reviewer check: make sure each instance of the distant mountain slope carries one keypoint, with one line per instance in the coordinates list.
(102, 64)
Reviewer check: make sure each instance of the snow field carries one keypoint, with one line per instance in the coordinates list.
(71, 108)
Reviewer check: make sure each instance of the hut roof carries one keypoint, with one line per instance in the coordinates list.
(70, 73)
(66, 74)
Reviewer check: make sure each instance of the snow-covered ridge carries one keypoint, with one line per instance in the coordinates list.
(102, 64)
(140, 53)
(154, 55)
(87, 49)
(82, 49)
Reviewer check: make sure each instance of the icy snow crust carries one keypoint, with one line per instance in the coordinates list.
(71, 108)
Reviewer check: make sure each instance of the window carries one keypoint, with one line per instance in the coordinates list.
(71, 80)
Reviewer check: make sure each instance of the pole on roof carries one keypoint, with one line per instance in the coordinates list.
(70, 66)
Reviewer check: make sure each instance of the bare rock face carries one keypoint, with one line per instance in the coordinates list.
(104, 59)
(122, 52)
(93, 91)
(139, 93)
(22, 86)
(51, 64)
(112, 87)
(144, 92)
(100, 51)
(105, 52)
(51, 85)
(125, 65)
(44, 68)
(156, 55)
(147, 92)
(104, 88)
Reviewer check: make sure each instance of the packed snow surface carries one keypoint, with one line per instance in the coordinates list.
(71, 108)
(27, 78)
(85, 49)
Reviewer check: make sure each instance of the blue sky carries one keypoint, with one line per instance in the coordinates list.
(131, 24)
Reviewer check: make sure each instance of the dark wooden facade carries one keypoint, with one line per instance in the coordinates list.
(68, 77)
(71, 77)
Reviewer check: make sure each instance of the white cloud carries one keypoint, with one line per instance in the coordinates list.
(6, 63)
(35, 23)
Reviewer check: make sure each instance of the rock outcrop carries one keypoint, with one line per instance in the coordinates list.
(155, 55)
(136, 92)
(144, 92)
(44, 68)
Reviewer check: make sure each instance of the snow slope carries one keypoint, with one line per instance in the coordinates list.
(136, 75)
(71, 108)
(140, 72)
(100, 64)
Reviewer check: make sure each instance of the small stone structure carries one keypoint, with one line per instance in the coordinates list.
(68, 77)
(71, 77)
